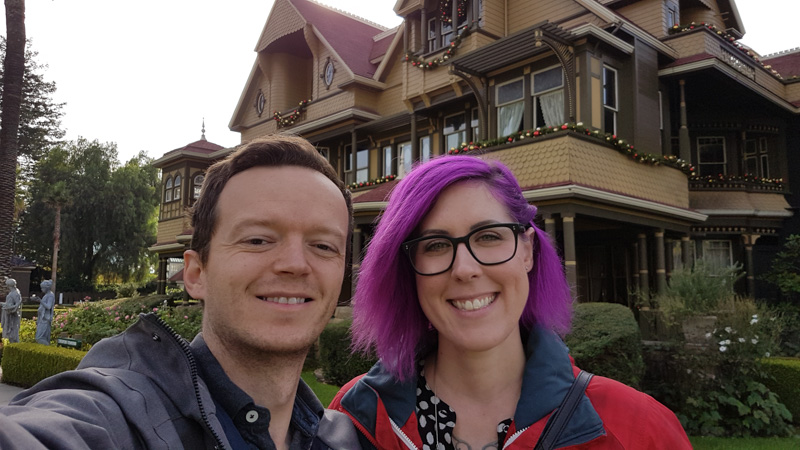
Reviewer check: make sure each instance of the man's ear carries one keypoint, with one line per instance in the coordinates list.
(194, 274)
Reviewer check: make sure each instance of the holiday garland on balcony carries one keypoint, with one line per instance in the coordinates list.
(288, 120)
(446, 10)
(611, 139)
(373, 182)
(724, 35)
(747, 178)
(420, 63)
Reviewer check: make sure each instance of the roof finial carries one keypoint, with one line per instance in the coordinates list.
(203, 136)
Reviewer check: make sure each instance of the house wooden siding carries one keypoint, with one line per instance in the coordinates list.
(597, 187)
(570, 159)
(169, 229)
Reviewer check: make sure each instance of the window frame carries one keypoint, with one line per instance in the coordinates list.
(362, 172)
(707, 250)
(168, 190)
(535, 95)
(701, 163)
(197, 187)
(403, 166)
(461, 132)
(425, 148)
(498, 106)
(608, 109)
(176, 195)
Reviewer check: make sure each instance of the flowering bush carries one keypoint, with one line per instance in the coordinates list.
(724, 394)
(97, 320)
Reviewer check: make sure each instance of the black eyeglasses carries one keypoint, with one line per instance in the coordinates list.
(490, 245)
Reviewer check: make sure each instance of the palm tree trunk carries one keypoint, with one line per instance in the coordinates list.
(56, 246)
(14, 67)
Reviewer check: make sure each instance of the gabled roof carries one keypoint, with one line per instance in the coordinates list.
(348, 35)
(787, 63)
(196, 148)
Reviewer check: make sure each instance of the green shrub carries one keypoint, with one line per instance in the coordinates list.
(784, 380)
(98, 320)
(606, 341)
(338, 364)
(26, 364)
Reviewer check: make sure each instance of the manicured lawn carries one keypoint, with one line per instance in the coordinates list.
(325, 392)
(711, 443)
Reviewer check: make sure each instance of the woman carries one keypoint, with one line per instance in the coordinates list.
(45, 315)
(468, 335)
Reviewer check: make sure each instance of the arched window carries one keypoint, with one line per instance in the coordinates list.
(177, 192)
(197, 184)
(168, 191)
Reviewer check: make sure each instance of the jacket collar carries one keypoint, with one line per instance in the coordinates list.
(547, 377)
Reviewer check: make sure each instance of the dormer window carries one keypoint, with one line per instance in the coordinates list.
(168, 190)
(449, 20)
(176, 195)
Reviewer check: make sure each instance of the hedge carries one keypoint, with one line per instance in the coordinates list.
(338, 364)
(26, 364)
(606, 341)
(786, 382)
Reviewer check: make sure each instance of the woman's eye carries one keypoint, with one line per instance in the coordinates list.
(436, 246)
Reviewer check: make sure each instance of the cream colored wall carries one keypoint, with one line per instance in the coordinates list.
(169, 229)
(525, 13)
(649, 15)
(494, 17)
(570, 159)
(287, 20)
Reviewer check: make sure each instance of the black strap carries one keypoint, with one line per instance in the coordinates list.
(560, 418)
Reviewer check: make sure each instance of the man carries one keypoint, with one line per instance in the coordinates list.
(271, 234)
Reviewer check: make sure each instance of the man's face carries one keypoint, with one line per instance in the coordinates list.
(276, 261)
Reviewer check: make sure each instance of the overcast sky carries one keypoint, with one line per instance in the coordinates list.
(145, 73)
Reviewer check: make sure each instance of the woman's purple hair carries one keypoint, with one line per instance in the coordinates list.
(387, 317)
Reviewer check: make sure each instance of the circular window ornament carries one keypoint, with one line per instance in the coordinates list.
(328, 75)
(261, 101)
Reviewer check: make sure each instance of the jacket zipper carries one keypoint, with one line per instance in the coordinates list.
(403, 437)
(193, 369)
(514, 437)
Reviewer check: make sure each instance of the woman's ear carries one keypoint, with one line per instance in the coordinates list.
(528, 244)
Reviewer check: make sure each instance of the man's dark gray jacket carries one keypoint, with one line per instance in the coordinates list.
(139, 389)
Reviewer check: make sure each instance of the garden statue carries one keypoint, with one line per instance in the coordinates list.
(11, 311)
(45, 315)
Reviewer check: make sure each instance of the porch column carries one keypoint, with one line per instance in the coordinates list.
(550, 226)
(750, 268)
(570, 264)
(644, 275)
(414, 141)
(686, 257)
(668, 245)
(683, 135)
(358, 239)
(161, 281)
(636, 285)
(661, 272)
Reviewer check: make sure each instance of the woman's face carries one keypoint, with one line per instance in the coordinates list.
(474, 307)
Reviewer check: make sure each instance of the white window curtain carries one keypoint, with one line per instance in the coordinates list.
(509, 117)
(552, 105)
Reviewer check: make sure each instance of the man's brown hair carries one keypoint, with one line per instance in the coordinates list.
(269, 151)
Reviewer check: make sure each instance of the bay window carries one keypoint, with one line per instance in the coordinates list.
(548, 97)
(510, 107)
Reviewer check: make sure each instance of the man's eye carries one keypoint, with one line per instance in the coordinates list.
(256, 241)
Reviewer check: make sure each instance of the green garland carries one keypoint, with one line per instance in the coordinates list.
(385, 179)
(724, 35)
(285, 121)
(420, 63)
(746, 178)
(607, 138)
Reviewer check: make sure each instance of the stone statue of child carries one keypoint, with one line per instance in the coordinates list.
(11, 311)
(44, 319)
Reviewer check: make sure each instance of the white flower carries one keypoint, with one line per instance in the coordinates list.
(753, 321)
(708, 335)
(741, 340)
(755, 316)
(723, 348)
(754, 341)
(766, 354)
(688, 370)
(728, 329)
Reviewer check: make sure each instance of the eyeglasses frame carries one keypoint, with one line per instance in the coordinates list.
(516, 228)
